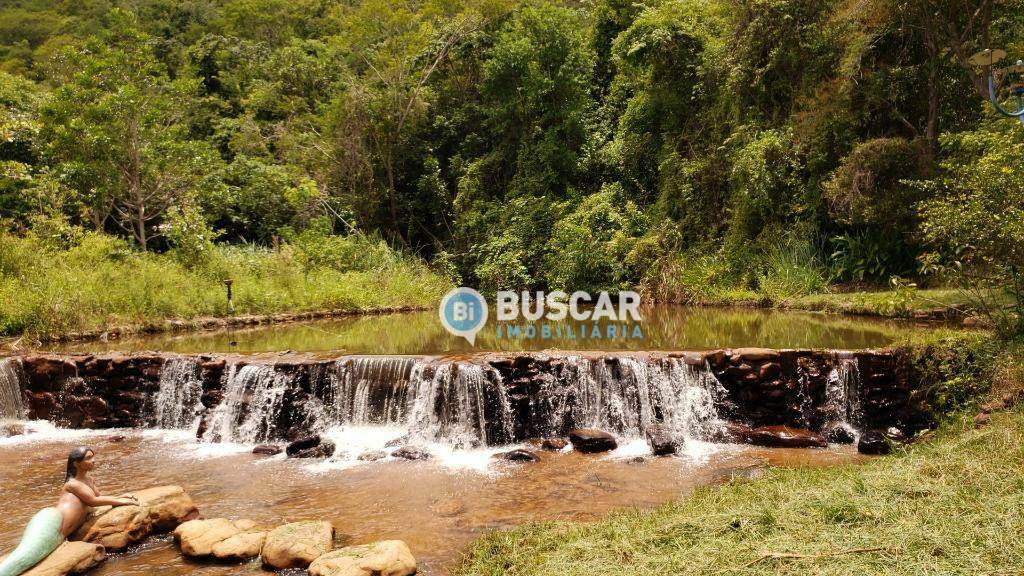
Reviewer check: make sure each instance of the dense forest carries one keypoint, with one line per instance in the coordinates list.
(678, 145)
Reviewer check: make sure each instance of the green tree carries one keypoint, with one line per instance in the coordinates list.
(116, 130)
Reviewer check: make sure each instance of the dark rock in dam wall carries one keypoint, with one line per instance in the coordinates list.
(514, 396)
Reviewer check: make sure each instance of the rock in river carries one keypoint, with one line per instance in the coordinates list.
(168, 506)
(662, 441)
(554, 444)
(220, 538)
(160, 509)
(296, 545)
(840, 433)
(591, 440)
(411, 453)
(874, 443)
(310, 447)
(784, 437)
(69, 558)
(386, 558)
(267, 450)
(115, 528)
(518, 455)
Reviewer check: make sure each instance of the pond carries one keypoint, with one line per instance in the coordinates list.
(663, 327)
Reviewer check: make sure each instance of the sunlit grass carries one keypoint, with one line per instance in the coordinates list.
(951, 505)
(99, 284)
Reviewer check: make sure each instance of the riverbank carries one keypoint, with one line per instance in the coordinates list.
(951, 503)
(100, 287)
(926, 304)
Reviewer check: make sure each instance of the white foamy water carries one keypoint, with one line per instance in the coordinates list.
(352, 441)
(45, 431)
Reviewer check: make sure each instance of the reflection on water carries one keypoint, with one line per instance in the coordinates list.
(664, 328)
(436, 507)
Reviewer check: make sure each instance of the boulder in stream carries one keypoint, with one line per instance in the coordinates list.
(518, 455)
(69, 558)
(168, 507)
(115, 528)
(411, 453)
(297, 545)
(302, 444)
(554, 444)
(592, 440)
(220, 538)
(9, 429)
(784, 437)
(385, 558)
(323, 450)
(874, 443)
(840, 433)
(662, 440)
(160, 509)
(267, 450)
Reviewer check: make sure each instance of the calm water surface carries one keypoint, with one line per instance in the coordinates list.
(663, 327)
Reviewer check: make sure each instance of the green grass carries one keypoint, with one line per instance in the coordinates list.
(951, 505)
(100, 282)
(885, 303)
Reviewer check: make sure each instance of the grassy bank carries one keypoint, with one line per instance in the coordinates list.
(99, 282)
(950, 504)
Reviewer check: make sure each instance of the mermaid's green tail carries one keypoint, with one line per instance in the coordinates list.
(42, 536)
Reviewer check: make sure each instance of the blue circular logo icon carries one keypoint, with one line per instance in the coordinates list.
(463, 312)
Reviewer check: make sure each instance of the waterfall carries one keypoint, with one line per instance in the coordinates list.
(626, 395)
(842, 400)
(177, 402)
(12, 384)
(448, 403)
(461, 404)
(253, 400)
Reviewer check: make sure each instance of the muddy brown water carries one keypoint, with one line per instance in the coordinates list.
(435, 507)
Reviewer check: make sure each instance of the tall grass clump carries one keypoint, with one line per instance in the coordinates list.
(93, 281)
(792, 269)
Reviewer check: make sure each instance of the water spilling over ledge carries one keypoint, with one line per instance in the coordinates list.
(471, 401)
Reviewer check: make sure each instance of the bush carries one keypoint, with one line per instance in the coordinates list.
(975, 220)
(869, 187)
(589, 248)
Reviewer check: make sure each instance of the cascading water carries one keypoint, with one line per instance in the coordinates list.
(12, 383)
(253, 399)
(628, 395)
(842, 401)
(177, 403)
(455, 404)
(450, 405)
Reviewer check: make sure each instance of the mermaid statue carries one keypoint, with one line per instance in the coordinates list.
(51, 526)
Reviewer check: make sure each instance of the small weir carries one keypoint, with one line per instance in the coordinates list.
(466, 402)
(462, 404)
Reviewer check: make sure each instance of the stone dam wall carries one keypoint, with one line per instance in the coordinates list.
(480, 399)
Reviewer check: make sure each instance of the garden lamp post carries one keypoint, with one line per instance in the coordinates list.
(231, 312)
(987, 59)
(231, 305)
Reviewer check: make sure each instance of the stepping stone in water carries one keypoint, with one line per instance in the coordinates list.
(390, 557)
(296, 545)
